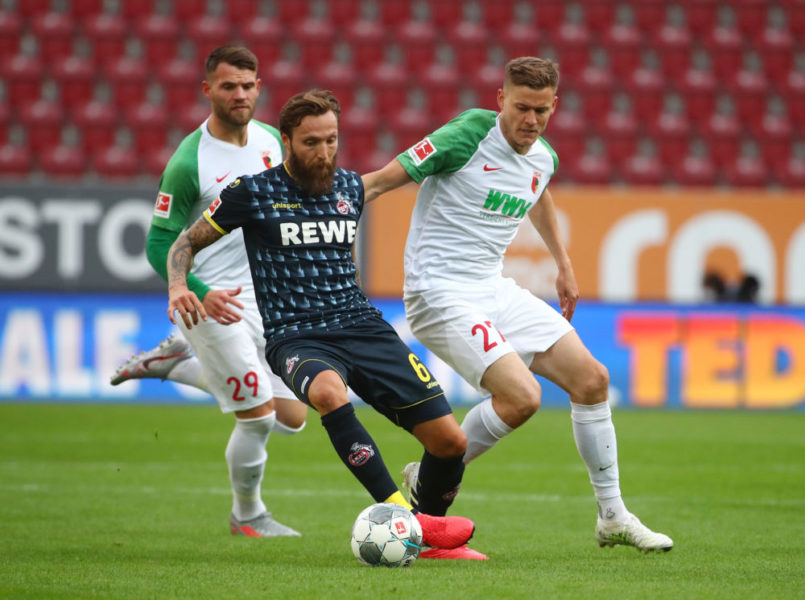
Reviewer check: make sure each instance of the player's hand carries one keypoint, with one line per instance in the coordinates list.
(187, 304)
(568, 292)
(219, 303)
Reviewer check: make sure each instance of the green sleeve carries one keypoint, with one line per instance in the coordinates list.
(450, 147)
(157, 246)
(553, 154)
(275, 132)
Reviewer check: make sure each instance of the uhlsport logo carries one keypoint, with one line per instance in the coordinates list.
(290, 362)
(359, 454)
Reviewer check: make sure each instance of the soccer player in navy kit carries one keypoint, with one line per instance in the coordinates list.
(322, 334)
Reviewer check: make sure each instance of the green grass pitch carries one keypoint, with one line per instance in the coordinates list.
(133, 502)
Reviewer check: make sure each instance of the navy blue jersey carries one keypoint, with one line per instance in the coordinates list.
(299, 250)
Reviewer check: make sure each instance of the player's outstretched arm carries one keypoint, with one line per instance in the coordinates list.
(543, 217)
(390, 177)
(180, 258)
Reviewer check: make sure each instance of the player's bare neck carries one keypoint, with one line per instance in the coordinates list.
(237, 135)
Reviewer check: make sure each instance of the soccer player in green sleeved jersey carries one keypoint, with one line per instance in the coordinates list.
(482, 174)
(229, 360)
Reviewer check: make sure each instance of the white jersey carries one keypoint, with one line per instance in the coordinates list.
(476, 192)
(201, 166)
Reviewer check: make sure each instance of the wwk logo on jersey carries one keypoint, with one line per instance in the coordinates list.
(506, 205)
(421, 151)
(162, 208)
(214, 206)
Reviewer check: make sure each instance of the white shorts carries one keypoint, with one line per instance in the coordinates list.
(470, 327)
(233, 358)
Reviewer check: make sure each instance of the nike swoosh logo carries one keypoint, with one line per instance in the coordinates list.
(222, 177)
(488, 168)
(605, 468)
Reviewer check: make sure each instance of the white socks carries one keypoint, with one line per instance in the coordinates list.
(283, 429)
(189, 372)
(246, 456)
(596, 443)
(484, 428)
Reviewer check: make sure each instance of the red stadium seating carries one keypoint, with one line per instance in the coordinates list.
(116, 162)
(567, 134)
(160, 37)
(84, 9)
(23, 76)
(620, 130)
(650, 15)
(409, 126)
(5, 122)
(572, 42)
(749, 90)
(550, 14)
(292, 13)
(107, 35)
(128, 79)
(390, 83)
(367, 42)
(470, 43)
(701, 15)
(793, 88)
(646, 86)
(445, 13)
(188, 10)
(643, 169)
(498, 15)
(673, 45)
(97, 122)
(241, 12)
(63, 162)
(670, 133)
(441, 82)
(750, 15)
(207, 33)
(790, 174)
(155, 161)
(341, 78)
(315, 38)
(696, 170)
(190, 117)
(15, 160)
(394, 14)
(623, 42)
(54, 35)
(698, 89)
(137, 9)
(485, 82)
(595, 85)
(76, 79)
(283, 80)
(359, 128)
(342, 13)
(723, 133)
(181, 81)
(725, 46)
(746, 171)
(148, 124)
(10, 34)
(795, 12)
(43, 124)
(262, 36)
(774, 135)
(590, 169)
(599, 16)
(776, 48)
(417, 40)
(520, 39)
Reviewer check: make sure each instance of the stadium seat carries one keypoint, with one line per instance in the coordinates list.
(600, 16)
(342, 13)
(148, 124)
(795, 13)
(155, 161)
(670, 131)
(293, 13)
(589, 169)
(776, 48)
(520, 39)
(417, 41)
(725, 45)
(747, 171)
(341, 78)
(497, 16)
(789, 174)
(572, 42)
(673, 44)
(620, 130)
(749, 90)
(316, 40)
(241, 12)
(283, 79)
(42, 121)
(189, 10)
(390, 83)
(650, 15)
(643, 169)
(750, 16)
(696, 169)
(394, 14)
(793, 89)
(774, 135)
(190, 117)
(116, 162)
(15, 160)
(262, 36)
(75, 77)
(63, 162)
(159, 35)
(85, 9)
(10, 34)
(622, 42)
(409, 126)
(550, 14)
(567, 133)
(723, 132)
(128, 80)
(469, 42)
(485, 82)
(595, 86)
(54, 35)
(701, 15)
(445, 13)
(107, 34)
(137, 10)
(359, 129)
(367, 42)
(698, 88)
(97, 123)
(181, 82)
(646, 87)
(207, 33)
(440, 82)
(23, 76)
(5, 122)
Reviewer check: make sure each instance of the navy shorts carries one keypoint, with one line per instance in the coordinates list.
(372, 360)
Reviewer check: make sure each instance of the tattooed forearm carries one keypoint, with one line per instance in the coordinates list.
(186, 246)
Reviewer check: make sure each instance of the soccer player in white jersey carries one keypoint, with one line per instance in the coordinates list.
(229, 360)
(482, 175)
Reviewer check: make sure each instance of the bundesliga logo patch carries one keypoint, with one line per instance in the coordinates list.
(162, 208)
(421, 151)
(214, 206)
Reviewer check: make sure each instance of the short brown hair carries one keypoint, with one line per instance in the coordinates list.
(237, 56)
(311, 103)
(536, 73)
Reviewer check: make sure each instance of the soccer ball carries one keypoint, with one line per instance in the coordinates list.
(386, 534)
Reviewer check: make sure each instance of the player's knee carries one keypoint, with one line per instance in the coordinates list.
(594, 384)
(451, 442)
(327, 392)
(291, 413)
